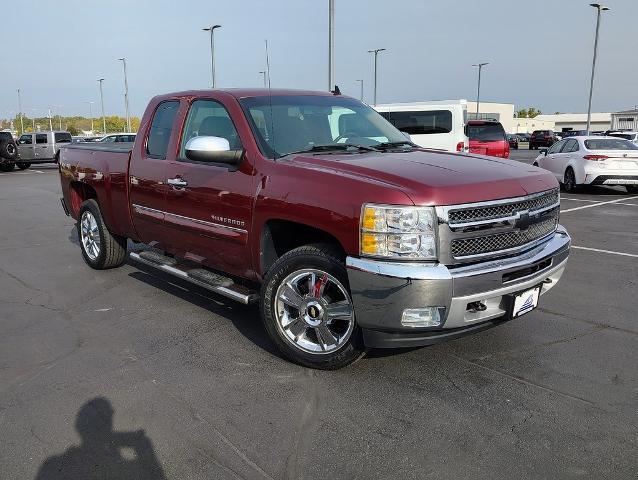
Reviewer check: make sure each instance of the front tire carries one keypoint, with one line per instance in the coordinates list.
(100, 248)
(307, 309)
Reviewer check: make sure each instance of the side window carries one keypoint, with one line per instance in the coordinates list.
(25, 140)
(161, 128)
(41, 138)
(556, 147)
(62, 137)
(571, 145)
(575, 146)
(109, 139)
(208, 118)
(422, 123)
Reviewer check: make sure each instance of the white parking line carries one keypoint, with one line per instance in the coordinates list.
(605, 251)
(598, 204)
(30, 172)
(597, 201)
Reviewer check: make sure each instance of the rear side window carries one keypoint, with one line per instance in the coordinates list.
(41, 138)
(161, 128)
(489, 132)
(610, 144)
(421, 123)
(62, 137)
(25, 140)
(571, 145)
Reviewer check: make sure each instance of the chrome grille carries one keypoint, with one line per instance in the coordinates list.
(481, 213)
(466, 247)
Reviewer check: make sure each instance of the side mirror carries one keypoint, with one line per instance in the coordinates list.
(543, 151)
(407, 135)
(212, 150)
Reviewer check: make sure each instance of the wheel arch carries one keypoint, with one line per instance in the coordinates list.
(79, 193)
(279, 236)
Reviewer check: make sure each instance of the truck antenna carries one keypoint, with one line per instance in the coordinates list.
(272, 121)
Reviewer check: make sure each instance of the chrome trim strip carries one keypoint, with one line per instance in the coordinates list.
(194, 220)
(509, 219)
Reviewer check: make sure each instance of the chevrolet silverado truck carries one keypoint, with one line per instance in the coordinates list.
(311, 204)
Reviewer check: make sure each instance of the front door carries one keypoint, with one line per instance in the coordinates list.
(147, 175)
(208, 206)
(25, 147)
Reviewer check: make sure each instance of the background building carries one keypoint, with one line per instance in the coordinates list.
(564, 122)
(501, 112)
(626, 120)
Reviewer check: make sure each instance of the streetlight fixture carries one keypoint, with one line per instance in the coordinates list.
(211, 29)
(263, 72)
(128, 118)
(376, 54)
(90, 113)
(331, 45)
(361, 82)
(100, 80)
(478, 88)
(599, 8)
(20, 110)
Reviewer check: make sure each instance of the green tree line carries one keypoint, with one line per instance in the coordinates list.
(74, 125)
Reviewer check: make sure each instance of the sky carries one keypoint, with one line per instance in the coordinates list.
(539, 51)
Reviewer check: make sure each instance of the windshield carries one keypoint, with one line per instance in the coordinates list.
(488, 132)
(301, 122)
(610, 144)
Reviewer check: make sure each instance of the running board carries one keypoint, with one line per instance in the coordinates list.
(203, 278)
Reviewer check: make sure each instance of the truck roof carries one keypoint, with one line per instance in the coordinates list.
(248, 92)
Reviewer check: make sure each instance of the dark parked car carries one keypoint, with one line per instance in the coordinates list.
(8, 152)
(513, 141)
(523, 137)
(487, 137)
(542, 138)
(573, 133)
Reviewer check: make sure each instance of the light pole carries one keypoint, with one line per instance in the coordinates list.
(264, 74)
(361, 82)
(331, 45)
(478, 88)
(91, 113)
(20, 110)
(50, 121)
(376, 54)
(599, 8)
(100, 80)
(128, 118)
(211, 29)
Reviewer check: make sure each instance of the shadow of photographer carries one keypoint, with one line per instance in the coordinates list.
(103, 453)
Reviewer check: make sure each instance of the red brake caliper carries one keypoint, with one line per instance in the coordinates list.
(319, 284)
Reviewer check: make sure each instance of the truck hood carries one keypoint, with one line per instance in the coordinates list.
(432, 177)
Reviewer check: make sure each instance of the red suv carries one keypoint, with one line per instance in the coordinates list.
(487, 137)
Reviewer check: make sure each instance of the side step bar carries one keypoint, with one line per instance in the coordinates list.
(203, 278)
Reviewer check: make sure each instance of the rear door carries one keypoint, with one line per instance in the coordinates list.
(549, 162)
(42, 148)
(208, 206)
(147, 176)
(26, 147)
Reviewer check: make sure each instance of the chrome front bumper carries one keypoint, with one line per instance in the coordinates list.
(381, 290)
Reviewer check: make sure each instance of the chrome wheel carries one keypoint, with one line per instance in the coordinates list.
(90, 235)
(314, 311)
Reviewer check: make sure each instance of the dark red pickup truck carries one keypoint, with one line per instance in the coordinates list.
(347, 234)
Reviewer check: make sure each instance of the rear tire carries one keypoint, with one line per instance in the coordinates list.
(6, 167)
(23, 166)
(569, 181)
(307, 309)
(100, 248)
(632, 188)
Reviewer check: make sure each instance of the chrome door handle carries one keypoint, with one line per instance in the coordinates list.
(177, 182)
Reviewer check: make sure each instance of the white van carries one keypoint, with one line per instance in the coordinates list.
(439, 124)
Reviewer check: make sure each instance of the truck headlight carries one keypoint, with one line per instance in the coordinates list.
(398, 232)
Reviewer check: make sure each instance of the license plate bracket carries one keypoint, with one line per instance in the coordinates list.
(524, 301)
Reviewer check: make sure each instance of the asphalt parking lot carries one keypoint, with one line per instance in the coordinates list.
(552, 394)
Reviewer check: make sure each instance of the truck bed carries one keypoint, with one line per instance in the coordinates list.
(122, 147)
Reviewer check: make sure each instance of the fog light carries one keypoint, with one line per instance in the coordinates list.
(421, 317)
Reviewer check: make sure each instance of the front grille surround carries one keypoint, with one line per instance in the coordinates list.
(486, 230)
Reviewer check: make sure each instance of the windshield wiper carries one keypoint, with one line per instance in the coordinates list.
(336, 147)
(388, 145)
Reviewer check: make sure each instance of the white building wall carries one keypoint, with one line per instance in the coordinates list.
(503, 112)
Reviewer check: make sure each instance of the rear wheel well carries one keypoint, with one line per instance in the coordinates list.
(80, 192)
(281, 236)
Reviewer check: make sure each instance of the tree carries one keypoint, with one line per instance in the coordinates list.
(530, 112)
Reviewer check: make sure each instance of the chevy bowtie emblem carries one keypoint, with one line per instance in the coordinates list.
(524, 221)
